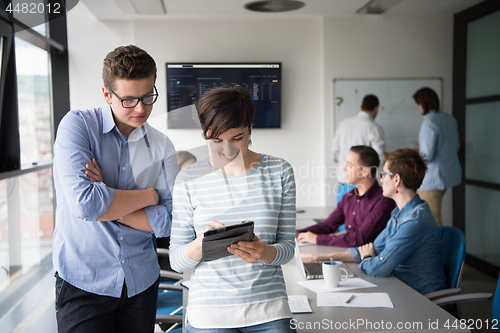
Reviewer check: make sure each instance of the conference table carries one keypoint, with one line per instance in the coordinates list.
(412, 312)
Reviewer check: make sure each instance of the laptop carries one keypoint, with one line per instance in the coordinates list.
(311, 270)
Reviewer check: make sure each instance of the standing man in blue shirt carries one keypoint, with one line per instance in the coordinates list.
(439, 143)
(113, 176)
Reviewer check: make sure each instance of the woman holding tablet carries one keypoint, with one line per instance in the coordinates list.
(410, 245)
(247, 289)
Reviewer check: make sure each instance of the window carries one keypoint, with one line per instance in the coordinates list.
(34, 63)
(26, 226)
(33, 91)
(34, 14)
(476, 105)
(1, 53)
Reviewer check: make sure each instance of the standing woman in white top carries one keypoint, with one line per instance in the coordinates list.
(244, 291)
(439, 143)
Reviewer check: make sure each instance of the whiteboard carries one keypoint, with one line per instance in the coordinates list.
(398, 114)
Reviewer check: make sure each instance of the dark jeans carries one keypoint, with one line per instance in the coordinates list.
(78, 311)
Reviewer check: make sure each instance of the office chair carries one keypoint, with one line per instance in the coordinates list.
(457, 299)
(495, 310)
(169, 309)
(170, 294)
(453, 254)
(453, 257)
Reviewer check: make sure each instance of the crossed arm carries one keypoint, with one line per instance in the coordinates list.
(127, 206)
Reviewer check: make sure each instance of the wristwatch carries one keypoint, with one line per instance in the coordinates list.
(367, 256)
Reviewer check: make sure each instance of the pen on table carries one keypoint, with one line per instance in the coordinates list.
(349, 299)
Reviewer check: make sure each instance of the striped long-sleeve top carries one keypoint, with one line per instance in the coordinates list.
(229, 292)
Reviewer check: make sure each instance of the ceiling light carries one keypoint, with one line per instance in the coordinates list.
(377, 6)
(142, 7)
(274, 6)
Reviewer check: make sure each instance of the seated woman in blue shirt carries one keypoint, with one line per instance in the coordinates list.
(410, 246)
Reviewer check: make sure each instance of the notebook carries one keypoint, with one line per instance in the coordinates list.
(311, 270)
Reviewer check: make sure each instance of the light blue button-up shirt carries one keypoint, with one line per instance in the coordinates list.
(97, 256)
(409, 248)
(439, 144)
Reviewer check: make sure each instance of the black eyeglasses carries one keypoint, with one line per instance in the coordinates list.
(129, 103)
(384, 173)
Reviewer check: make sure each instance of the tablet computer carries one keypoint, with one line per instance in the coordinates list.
(216, 240)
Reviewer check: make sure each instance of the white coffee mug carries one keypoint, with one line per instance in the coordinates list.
(332, 273)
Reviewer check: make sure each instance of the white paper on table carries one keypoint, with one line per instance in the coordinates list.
(299, 304)
(360, 300)
(304, 244)
(319, 286)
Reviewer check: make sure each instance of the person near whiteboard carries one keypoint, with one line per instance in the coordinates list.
(359, 130)
(439, 143)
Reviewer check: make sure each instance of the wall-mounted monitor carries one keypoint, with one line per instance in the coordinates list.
(187, 82)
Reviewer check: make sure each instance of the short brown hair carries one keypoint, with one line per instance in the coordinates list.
(409, 164)
(428, 99)
(221, 109)
(128, 63)
(368, 157)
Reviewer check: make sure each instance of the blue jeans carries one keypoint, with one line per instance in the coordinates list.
(78, 311)
(275, 326)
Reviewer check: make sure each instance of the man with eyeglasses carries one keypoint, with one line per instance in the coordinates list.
(113, 175)
(363, 210)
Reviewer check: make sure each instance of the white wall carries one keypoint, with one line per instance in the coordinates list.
(89, 40)
(313, 51)
(295, 43)
(386, 47)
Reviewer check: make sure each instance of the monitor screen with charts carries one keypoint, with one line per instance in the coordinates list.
(187, 82)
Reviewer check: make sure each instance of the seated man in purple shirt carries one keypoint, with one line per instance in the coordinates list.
(364, 210)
